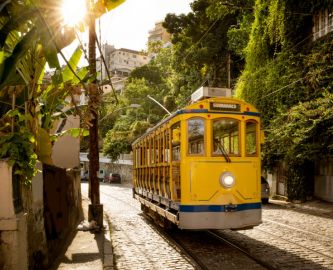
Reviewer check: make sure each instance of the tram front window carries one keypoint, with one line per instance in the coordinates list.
(195, 132)
(226, 136)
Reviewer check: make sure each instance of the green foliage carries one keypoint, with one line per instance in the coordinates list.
(290, 82)
(30, 37)
(203, 41)
(126, 123)
(18, 147)
(303, 133)
(301, 136)
(116, 143)
(276, 22)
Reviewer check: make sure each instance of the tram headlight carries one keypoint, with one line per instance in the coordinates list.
(227, 180)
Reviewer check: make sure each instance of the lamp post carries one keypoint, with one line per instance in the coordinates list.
(159, 104)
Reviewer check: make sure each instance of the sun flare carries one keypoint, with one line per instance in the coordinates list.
(73, 11)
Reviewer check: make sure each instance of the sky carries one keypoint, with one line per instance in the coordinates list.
(127, 26)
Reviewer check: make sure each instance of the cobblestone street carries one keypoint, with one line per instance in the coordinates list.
(136, 245)
(289, 238)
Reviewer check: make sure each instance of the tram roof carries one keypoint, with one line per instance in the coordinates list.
(195, 108)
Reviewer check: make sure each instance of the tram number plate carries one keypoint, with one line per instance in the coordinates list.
(225, 106)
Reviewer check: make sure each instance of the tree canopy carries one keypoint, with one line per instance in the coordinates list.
(31, 36)
(267, 47)
(288, 77)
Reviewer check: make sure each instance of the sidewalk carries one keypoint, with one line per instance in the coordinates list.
(87, 250)
(316, 206)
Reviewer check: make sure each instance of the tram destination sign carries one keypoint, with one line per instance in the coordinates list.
(230, 107)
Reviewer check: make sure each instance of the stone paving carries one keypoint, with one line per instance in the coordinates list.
(136, 244)
(291, 236)
(85, 250)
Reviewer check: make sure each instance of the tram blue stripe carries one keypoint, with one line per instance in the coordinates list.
(218, 208)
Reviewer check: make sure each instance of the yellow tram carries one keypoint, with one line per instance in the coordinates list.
(200, 167)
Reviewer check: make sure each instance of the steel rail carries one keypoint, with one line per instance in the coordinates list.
(259, 261)
(296, 244)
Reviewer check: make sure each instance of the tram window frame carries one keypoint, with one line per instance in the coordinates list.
(214, 153)
(203, 150)
(137, 156)
(255, 154)
(159, 147)
(167, 146)
(145, 149)
(176, 145)
(152, 149)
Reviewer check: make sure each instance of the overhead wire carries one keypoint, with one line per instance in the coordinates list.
(102, 62)
(203, 35)
(106, 69)
(286, 86)
(275, 59)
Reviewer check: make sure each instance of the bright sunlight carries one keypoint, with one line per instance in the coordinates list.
(73, 11)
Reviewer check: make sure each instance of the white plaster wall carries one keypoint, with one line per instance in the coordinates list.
(65, 152)
(6, 191)
(13, 228)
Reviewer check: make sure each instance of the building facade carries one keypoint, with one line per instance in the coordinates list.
(120, 62)
(322, 23)
(159, 33)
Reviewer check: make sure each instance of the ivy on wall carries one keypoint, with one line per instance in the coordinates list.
(289, 78)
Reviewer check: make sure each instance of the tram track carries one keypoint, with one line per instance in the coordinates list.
(274, 244)
(180, 240)
(120, 200)
(210, 251)
(293, 247)
(207, 251)
(189, 242)
(238, 247)
(324, 237)
(167, 235)
(195, 260)
(296, 244)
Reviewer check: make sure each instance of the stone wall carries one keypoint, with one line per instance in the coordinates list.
(126, 171)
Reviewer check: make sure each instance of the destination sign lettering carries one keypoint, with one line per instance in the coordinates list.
(225, 107)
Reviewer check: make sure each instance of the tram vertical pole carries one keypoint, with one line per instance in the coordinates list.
(95, 211)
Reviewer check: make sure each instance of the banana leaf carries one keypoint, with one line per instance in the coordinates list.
(103, 6)
(67, 74)
(8, 75)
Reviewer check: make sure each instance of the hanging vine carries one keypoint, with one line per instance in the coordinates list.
(289, 79)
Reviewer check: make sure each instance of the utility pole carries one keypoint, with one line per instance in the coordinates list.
(95, 211)
(229, 70)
